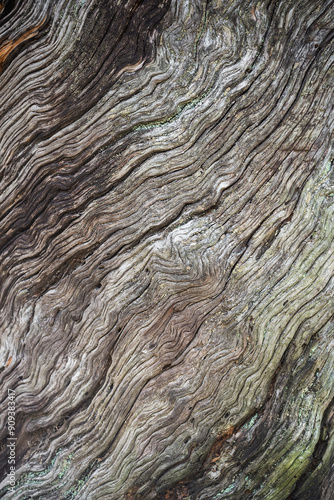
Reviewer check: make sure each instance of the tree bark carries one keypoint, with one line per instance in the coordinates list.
(166, 249)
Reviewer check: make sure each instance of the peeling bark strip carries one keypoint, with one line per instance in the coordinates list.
(167, 249)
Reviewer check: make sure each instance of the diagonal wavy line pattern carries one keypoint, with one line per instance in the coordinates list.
(166, 246)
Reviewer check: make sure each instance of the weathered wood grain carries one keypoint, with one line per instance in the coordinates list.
(166, 248)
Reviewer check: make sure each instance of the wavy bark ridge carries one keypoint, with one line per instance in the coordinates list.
(166, 248)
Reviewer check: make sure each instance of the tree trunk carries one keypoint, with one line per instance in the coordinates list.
(166, 239)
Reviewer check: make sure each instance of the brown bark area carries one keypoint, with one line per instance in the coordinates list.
(166, 249)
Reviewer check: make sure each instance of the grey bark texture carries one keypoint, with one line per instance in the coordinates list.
(166, 249)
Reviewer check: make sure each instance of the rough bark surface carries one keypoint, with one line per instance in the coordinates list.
(167, 248)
